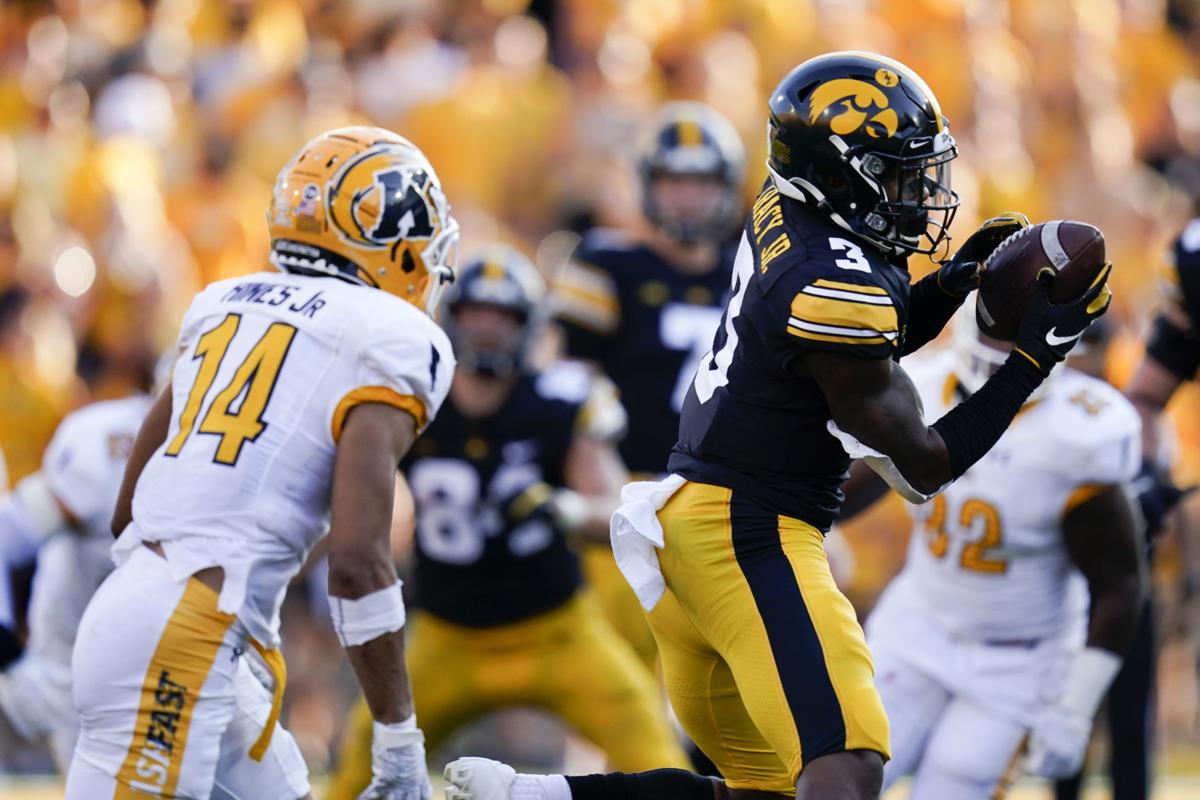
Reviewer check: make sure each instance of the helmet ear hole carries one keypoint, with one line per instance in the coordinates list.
(407, 263)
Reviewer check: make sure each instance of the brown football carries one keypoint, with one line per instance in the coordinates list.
(1074, 251)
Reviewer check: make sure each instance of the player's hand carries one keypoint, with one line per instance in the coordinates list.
(959, 276)
(398, 766)
(1058, 743)
(1049, 331)
(1157, 495)
(564, 509)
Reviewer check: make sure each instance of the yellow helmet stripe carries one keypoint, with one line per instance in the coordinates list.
(688, 133)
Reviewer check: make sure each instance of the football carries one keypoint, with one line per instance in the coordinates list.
(1073, 250)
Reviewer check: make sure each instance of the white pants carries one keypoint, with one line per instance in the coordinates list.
(167, 705)
(959, 710)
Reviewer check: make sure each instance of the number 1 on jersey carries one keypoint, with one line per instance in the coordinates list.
(255, 379)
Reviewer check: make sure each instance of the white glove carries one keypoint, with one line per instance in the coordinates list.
(1059, 739)
(398, 764)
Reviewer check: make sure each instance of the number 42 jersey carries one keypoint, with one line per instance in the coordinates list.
(270, 366)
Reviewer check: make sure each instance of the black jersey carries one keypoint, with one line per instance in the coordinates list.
(647, 325)
(473, 567)
(753, 420)
(1175, 339)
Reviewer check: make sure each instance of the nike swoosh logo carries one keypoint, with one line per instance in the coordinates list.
(1054, 341)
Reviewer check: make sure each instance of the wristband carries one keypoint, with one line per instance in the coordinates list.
(1091, 672)
(368, 617)
(389, 736)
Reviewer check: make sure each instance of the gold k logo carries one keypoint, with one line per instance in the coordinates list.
(861, 104)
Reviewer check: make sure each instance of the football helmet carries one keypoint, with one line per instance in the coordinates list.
(688, 138)
(499, 277)
(861, 139)
(364, 204)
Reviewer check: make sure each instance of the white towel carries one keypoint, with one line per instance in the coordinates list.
(636, 532)
(881, 464)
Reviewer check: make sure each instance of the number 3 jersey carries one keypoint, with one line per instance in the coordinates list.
(269, 367)
(478, 564)
(754, 420)
(646, 324)
(986, 559)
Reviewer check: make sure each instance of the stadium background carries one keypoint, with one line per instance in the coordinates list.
(139, 140)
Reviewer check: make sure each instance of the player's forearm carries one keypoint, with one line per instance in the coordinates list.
(379, 665)
(930, 309)
(1115, 612)
(1149, 390)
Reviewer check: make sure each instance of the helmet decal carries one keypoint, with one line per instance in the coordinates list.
(861, 104)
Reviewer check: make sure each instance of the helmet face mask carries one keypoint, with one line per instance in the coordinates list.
(692, 141)
(494, 312)
(364, 205)
(860, 139)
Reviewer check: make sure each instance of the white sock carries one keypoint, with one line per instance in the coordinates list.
(539, 787)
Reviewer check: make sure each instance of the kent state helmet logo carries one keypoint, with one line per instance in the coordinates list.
(375, 202)
(856, 104)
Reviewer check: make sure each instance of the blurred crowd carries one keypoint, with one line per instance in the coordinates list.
(139, 142)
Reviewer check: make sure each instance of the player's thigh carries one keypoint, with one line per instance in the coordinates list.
(280, 773)
(618, 602)
(971, 755)
(913, 700)
(154, 665)
(708, 704)
(758, 588)
(605, 693)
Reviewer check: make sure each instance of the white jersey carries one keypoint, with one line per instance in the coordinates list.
(83, 466)
(986, 559)
(269, 366)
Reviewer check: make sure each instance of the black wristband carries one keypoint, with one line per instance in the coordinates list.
(929, 309)
(974, 425)
(1175, 348)
(10, 647)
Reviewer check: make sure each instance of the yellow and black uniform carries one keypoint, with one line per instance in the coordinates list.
(1175, 339)
(764, 659)
(503, 619)
(646, 325)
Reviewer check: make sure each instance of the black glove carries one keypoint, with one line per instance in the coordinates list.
(959, 276)
(1049, 331)
(1157, 494)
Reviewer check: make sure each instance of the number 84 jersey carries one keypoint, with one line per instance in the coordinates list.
(270, 366)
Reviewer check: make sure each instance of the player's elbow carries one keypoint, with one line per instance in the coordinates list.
(359, 569)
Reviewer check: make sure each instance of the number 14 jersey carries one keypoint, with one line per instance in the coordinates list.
(270, 366)
(753, 419)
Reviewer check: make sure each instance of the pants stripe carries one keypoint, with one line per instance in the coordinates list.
(799, 659)
(181, 663)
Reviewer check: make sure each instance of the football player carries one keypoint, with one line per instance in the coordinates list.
(979, 642)
(517, 461)
(59, 517)
(644, 310)
(294, 395)
(764, 661)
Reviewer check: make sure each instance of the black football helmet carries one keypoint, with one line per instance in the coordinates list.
(861, 139)
(503, 278)
(688, 138)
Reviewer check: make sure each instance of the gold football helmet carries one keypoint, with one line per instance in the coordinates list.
(364, 204)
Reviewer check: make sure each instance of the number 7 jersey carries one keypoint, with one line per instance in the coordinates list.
(269, 367)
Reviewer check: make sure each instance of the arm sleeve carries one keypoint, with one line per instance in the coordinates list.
(1176, 348)
(855, 318)
(930, 308)
(406, 366)
(585, 303)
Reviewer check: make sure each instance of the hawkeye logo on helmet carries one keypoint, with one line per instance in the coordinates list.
(850, 104)
(374, 203)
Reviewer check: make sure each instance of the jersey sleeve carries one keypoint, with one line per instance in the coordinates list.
(585, 302)
(1098, 443)
(406, 363)
(843, 315)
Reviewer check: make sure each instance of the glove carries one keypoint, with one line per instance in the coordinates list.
(1157, 494)
(398, 766)
(1049, 331)
(959, 276)
(1059, 739)
(564, 509)
(35, 695)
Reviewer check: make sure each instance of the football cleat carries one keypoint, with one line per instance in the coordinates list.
(478, 779)
(861, 140)
(364, 205)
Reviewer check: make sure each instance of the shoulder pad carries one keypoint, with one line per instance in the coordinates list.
(1093, 430)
